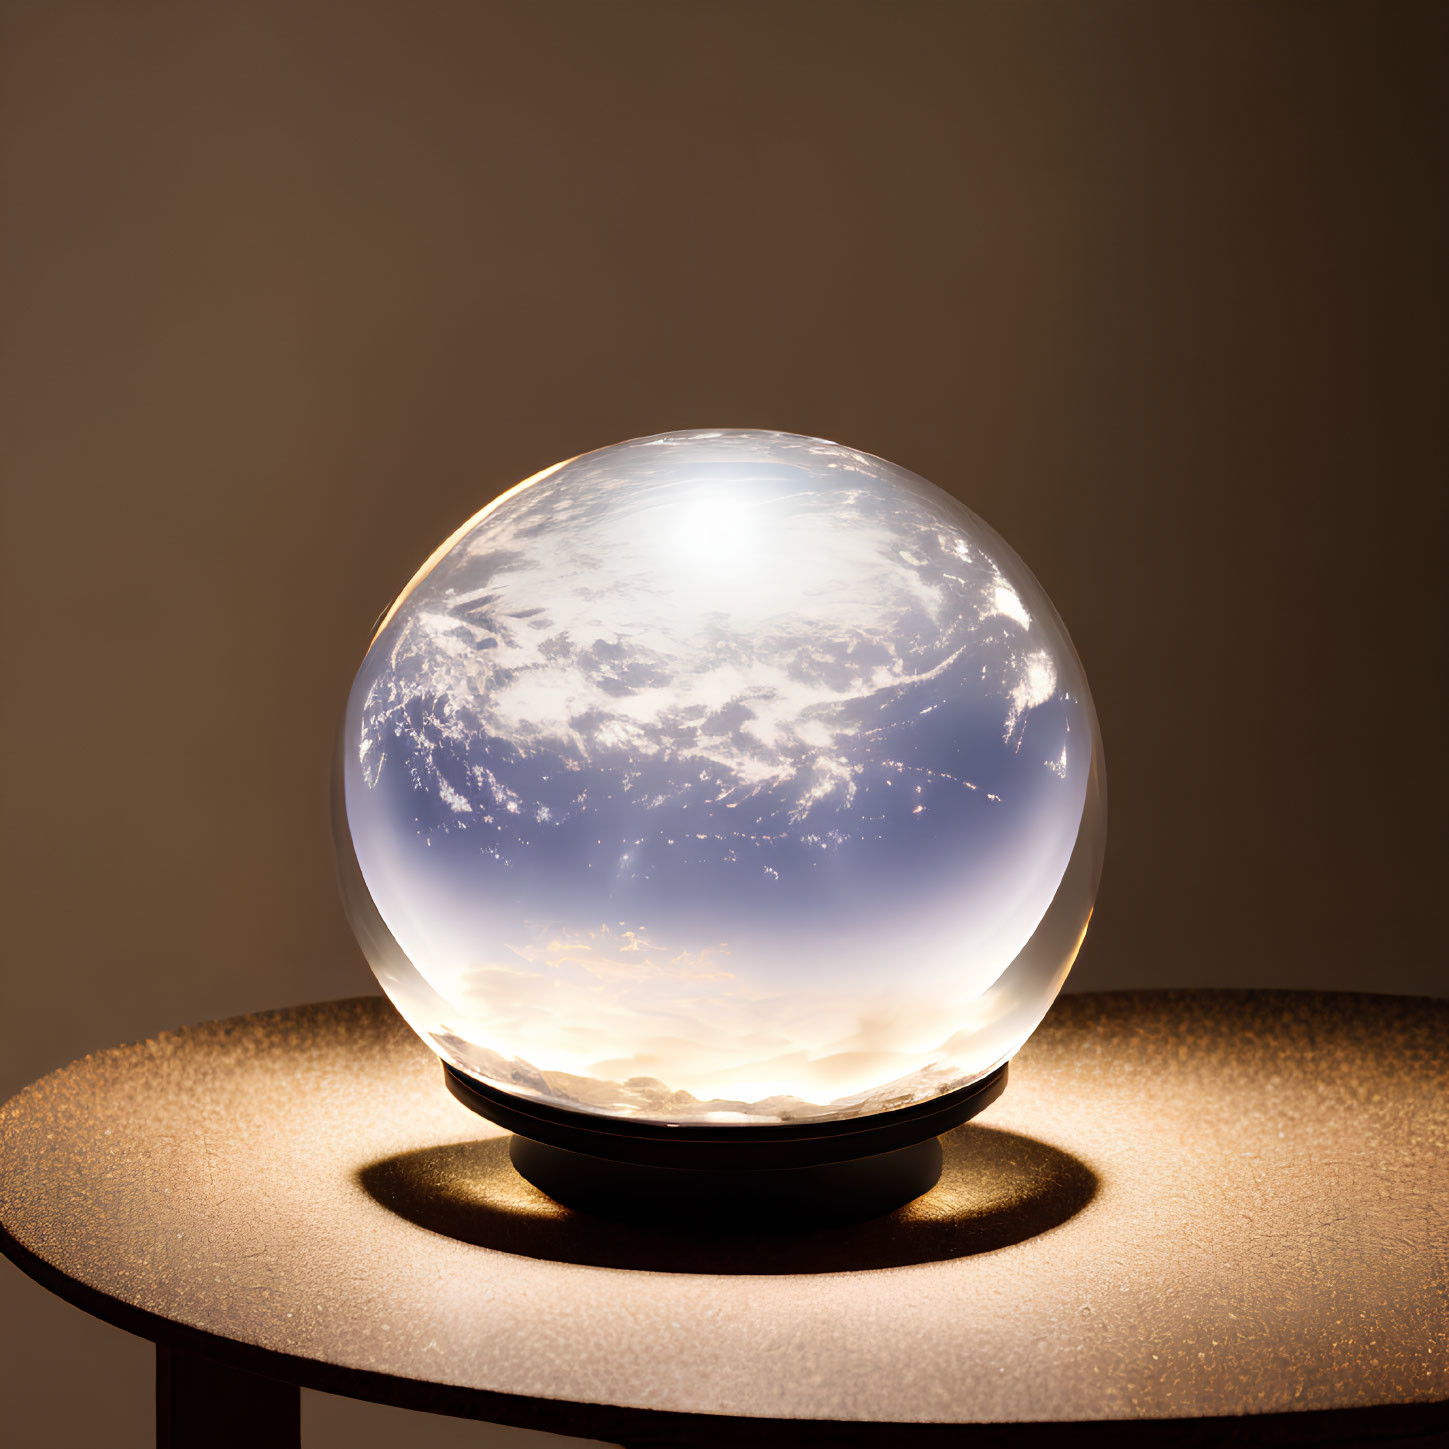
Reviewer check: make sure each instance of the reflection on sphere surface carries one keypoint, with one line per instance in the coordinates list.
(722, 777)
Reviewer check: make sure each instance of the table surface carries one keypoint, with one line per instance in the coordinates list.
(1186, 1205)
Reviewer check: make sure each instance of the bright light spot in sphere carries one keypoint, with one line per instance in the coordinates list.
(718, 534)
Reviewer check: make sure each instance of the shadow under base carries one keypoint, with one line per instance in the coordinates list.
(804, 1172)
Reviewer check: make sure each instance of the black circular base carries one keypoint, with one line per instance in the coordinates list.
(782, 1175)
(684, 1197)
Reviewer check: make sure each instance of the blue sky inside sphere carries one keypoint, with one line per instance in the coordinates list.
(740, 762)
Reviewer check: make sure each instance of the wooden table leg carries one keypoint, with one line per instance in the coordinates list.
(203, 1403)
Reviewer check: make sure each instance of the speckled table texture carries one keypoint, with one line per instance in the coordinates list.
(1186, 1205)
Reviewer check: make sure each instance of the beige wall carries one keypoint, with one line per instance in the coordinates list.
(290, 289)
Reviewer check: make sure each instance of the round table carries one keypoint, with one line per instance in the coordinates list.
(1225, 1209)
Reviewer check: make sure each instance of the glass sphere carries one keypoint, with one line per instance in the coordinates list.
(722, 777)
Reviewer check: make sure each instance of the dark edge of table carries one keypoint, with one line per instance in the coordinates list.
(1425, 1424)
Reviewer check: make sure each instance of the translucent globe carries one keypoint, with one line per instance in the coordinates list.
(722, 777)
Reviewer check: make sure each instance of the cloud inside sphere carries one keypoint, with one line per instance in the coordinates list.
(722, 777)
